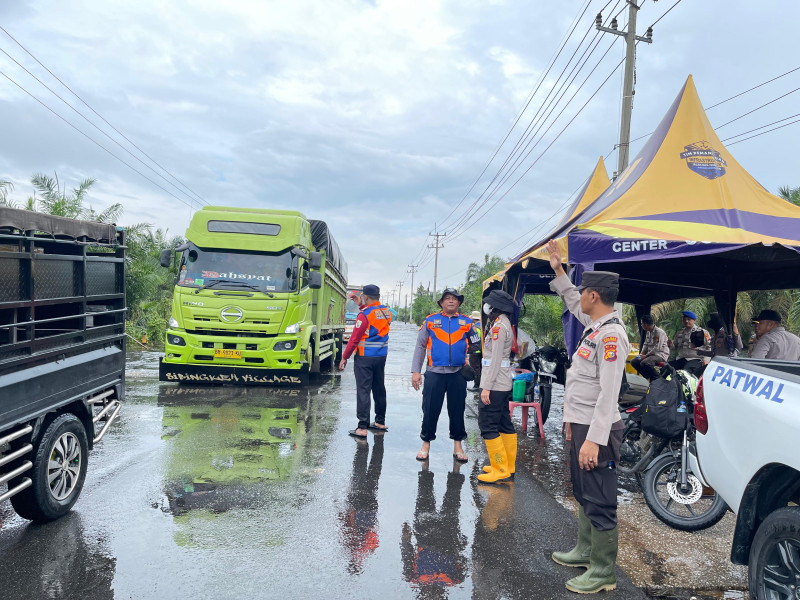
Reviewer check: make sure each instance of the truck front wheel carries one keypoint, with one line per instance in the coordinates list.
(59, 470)
(775, 556)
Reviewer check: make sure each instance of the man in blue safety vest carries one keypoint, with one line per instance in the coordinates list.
(443, 342)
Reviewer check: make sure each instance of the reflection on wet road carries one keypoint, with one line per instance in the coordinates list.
(224, 492)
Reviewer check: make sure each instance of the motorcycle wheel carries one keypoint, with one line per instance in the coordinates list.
(691, 511)
(545, 395)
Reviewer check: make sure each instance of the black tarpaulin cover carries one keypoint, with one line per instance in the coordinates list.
(322, 239)
(26, 220)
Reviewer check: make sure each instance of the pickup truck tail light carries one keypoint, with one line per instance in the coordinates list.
(700, 414)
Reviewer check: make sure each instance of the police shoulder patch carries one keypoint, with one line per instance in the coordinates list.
(495, 332)
(610, 352)
(610, 339)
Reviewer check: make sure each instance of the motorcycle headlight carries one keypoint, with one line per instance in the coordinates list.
(293, 328)
(549, 366)
(173, 322)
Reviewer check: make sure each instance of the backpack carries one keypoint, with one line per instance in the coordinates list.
(660, 414)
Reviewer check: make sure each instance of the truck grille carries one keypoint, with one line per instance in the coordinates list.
(231, 333)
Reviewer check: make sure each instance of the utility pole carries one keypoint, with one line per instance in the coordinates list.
(399, 293)
(408, 315)
(412, 269)
(630, 70)
(436, 257)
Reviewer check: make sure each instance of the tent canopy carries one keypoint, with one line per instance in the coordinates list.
(685, 219)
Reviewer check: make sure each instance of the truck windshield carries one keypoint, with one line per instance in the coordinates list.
(264, 272)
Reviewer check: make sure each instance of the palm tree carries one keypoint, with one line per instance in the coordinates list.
(55, 200)
(790, 194)
(5, 187)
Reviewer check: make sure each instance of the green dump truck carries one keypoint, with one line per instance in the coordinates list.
(259, 299)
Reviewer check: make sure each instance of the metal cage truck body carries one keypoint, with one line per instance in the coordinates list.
(62, 354)
(259, 299)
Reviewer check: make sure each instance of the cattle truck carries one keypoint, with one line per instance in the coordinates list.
(62, 354)
(259, 299)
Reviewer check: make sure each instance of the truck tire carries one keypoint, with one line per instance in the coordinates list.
(682, 514)
(62, 451)
(774, 564)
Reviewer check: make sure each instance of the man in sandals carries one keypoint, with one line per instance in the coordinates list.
(444, 340)
(370, 341)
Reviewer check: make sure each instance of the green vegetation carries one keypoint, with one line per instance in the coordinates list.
(148, 285)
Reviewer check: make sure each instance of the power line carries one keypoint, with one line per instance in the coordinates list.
(478, 217)
(762, 127)
(200, 198)
(463, 225)
(96, 142)
(522, 111)
(753, 88)
(764, 132)
(82, 116)
(757, 108)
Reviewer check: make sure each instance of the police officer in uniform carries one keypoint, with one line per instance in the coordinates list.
(494, 418)
(370, 341)
(773, 339)
(590, 406)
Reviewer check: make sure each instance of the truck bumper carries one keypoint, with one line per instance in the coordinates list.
(218, 375)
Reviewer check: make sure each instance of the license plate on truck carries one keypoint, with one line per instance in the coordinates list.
(220, 353)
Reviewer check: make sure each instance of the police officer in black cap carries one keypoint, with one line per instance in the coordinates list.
(590, 407)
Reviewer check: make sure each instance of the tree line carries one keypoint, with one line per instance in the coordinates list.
(148, 286)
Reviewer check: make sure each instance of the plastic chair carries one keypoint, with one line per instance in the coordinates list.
(525, 407)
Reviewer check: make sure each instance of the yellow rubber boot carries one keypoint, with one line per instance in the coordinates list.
(498, 460)
(510, 444)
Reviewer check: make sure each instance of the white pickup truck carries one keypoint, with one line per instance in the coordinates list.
(748, 444)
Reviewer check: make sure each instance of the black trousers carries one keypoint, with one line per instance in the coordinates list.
(596, 490)
(435, 388)
(494, 418)
(644, 367)
(369, 379)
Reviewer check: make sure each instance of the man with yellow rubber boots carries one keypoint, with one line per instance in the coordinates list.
(494, 419)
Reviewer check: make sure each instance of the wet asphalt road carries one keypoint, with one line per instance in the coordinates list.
(222, 492)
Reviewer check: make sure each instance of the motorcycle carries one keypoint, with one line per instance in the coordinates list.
(667, 470)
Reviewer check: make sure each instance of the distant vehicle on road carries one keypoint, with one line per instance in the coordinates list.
(259, 299)
(748, 418)
(62, 354)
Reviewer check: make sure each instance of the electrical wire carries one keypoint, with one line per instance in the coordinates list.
(96, 142)
(82, 116)
(28, 52)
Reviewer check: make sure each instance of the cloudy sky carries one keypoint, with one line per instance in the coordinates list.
(375, 116)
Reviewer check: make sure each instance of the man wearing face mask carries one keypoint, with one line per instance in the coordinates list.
(444, 340)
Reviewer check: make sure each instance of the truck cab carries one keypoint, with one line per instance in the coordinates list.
(255, 302)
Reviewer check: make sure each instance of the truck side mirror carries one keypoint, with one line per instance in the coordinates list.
(315, 260)
(166, 258)
(315, 280)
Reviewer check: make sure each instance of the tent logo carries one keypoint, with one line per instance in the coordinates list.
(701, 158)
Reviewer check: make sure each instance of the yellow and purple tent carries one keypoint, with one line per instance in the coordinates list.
(685, 219)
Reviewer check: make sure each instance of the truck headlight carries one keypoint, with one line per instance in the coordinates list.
(293, 328)
(549, 366)
(173, 322)
(176, 340)
(285, 345)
